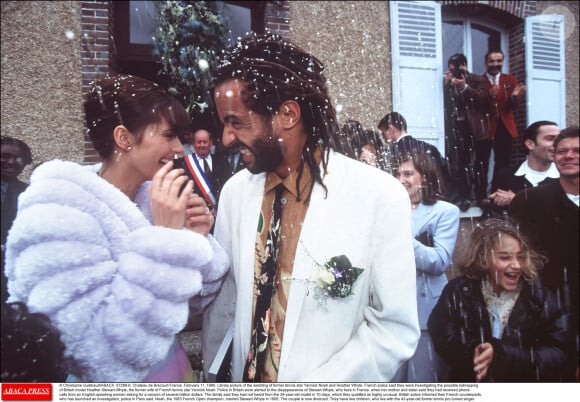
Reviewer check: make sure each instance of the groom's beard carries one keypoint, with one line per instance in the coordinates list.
(267, 152)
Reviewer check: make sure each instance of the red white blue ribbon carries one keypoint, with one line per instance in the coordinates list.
(200, 179)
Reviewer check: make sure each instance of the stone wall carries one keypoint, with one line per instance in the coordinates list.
(352, 39)
(41, 78)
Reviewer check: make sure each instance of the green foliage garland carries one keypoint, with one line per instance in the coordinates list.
(190, 35)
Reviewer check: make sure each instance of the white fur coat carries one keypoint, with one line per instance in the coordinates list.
(117, 287)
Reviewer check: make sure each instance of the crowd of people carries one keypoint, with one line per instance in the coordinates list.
(295, 276)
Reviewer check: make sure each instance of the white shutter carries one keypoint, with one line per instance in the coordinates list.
(545, 69)
(417, 72)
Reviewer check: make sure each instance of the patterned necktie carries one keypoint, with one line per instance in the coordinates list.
(206, 168)
(255, 362)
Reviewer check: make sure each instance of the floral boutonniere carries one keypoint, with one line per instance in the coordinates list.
(337, 276)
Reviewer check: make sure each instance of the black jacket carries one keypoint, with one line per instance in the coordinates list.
(550, 220)
(506, 179)
(10, 205)
(9, 210)
(534, 344)
(472, 104)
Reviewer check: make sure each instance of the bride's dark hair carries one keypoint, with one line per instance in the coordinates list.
(130, 101)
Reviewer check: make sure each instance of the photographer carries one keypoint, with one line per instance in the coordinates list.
(466, 104)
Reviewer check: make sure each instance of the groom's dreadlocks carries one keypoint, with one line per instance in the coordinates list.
(275, 71)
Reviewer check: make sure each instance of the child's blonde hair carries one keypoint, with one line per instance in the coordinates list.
(478, 255)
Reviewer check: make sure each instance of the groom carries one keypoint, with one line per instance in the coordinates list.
(322, 278)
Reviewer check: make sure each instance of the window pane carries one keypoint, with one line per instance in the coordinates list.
(142, 22)
(482, 40)
(239, 20)
(452, 40)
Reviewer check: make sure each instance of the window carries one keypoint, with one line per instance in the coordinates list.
(424, 34)
(245, 16)
(141, 22)
(472, 38)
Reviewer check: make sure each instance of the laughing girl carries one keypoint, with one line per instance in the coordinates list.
(497, 322)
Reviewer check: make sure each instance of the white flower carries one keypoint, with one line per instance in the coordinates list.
(325, 278)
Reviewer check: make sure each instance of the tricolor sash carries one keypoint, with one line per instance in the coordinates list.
(202, 183)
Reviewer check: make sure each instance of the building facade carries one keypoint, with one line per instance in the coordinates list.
(379, 57)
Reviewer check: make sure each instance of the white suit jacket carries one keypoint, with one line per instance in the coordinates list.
(363, 337)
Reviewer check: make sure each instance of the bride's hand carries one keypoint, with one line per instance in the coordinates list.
(168, 203)
(198, 217)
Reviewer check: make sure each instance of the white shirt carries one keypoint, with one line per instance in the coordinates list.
(493, 79)
(575, 198)
(207, 159)
(534, 176)
(404, 135)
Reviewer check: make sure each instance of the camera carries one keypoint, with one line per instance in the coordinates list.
(179, 163)
(458, 66)
(457, 72)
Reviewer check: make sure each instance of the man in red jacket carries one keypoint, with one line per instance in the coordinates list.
(505, 93)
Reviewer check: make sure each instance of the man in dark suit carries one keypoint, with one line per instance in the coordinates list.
(215, 167)
(548, 215)
(235, 159)
(399, 142)
(15, 156)
(537, 169)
